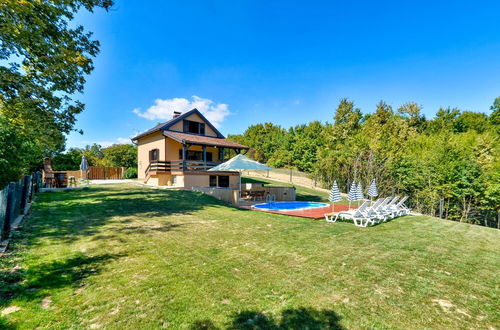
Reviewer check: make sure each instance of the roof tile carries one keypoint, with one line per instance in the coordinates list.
(204, 140)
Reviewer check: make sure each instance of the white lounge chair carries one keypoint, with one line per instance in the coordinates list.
(375, 213)
(388, 209)
(358, 216)
(401, 208)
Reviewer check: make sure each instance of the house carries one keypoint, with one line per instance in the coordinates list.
(179, 152)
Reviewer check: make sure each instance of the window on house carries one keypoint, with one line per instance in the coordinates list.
(195, 155)
(154, 154)
(223, 181)
(194, 127)
(213, 181)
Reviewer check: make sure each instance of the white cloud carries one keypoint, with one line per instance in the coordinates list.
(123, 140)
(164, 109)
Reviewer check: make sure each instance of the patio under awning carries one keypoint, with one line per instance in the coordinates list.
(240, 163)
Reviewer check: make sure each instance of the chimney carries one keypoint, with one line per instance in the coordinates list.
(177, 114)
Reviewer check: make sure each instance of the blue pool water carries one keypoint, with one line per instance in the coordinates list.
(288, 206)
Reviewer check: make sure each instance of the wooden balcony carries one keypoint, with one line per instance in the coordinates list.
(162, 166)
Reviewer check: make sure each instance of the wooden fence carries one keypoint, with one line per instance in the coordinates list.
(14, 198)
(105, 173)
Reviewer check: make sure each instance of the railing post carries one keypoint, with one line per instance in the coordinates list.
(184, 157)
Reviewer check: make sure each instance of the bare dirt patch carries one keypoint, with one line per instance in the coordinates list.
(10, 310)
(46, 302)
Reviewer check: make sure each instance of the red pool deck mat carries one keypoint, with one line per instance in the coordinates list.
(314, 213)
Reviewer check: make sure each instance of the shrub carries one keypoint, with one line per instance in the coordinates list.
(130, 173)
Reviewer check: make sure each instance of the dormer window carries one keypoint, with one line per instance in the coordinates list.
(194, 127)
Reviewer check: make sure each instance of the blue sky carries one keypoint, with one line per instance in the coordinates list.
(285, 62)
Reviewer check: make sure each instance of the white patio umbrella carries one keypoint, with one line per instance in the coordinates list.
(352, 195)
(373, 190)
(334, 195)
(359, 193)
(240, 163)
(84, 166)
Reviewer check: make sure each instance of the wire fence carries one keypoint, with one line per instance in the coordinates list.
(288, 175)
(14, 198)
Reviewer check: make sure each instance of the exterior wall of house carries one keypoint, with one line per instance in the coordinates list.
(194, 117)
(186, 180)
(172, 149)
(144, 145)
(197, 180)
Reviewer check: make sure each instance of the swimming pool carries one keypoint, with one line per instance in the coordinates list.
(288, 206)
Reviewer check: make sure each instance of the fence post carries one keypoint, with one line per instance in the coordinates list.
(30, 190)
(37, 180)
(24, 194)
(10, 210)
(3, 209)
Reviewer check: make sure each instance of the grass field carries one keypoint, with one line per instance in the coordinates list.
(128, 256)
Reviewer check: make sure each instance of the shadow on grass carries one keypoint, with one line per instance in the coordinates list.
(6, 325)
(33, 283)
(300, 318)
(69, 215)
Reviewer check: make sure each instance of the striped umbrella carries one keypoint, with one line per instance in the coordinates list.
(359, 193)
(334, 195)
(373, 190)
(351, 196)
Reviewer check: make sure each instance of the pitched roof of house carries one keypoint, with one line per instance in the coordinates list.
(204, 140)
(169, 123)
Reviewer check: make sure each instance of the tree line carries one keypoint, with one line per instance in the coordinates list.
(44, 61)
(450, 160)
(117, 155)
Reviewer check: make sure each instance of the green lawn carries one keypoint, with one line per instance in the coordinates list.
(128, 256)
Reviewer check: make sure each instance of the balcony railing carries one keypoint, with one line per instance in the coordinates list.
(179, 165)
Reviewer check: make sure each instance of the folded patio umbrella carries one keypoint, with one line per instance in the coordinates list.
(84, 166)
(359, 193)
(352, 195)
(334, 195)
(240, 163)
(373, 190)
